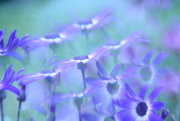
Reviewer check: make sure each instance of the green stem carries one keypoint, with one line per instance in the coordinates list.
(2, 113)
(19, 110)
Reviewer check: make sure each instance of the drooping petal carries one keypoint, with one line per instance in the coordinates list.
(157, 106)
(92, 80)
(125, 115)
(12, 89)
(147, 58)
(159, 59)
(15, 55)
(154, 94)
(115, 70)
(154, 117)
(143, 92)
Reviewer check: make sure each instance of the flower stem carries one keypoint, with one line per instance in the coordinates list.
(19, 112)
(79, 112)
(83, 76)
(2, 113)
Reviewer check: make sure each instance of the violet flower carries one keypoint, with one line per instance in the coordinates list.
(96, 22)
(151, 71)
(108, 90)
(9, 78)
(102, 51)
(140, 109)
(12, 45)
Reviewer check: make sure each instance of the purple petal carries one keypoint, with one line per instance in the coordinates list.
(101, 71)
(159, 59)
(2, 40)
(125, 115)
(115, 70)
(157, 106)
(154, 94)
(12, 89)
(15, 55)
(9, 76)
(130, 91)
(92, 80)
(125, 104)
(39, 109)
(147, 58)
(154, 117)
(143, 92)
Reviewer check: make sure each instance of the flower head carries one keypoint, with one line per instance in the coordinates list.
(96, 22)
(12, 45)
(140, 109)
(107, 90)
(9, 78)
(150, 71)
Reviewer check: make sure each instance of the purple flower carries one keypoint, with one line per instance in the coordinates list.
(140, 109)
(151, 71)
(9, 78)
(102, 51)
(96, 22)
(171, 38)
(128, 40)
(107, 90)
(12, 45)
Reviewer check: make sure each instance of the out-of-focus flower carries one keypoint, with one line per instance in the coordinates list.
(9, 78)
(171, 38)
(12, 45)
(169, 80)
(137, 108)
(96, 22)
(114, 45)
(102, 51)
(108, 90)
(151, 72)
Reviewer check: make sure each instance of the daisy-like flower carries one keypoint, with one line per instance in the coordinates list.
(136, 108)
(151, 71)
(96, 22)
(9, 78)
(12, 45)
(114, 45)
(83, 59)
(107, 90)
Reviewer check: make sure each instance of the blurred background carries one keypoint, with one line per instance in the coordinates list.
(157, 20)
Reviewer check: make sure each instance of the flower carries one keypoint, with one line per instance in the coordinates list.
(150, 72)
(130, 39)
(12, 45)
(137, 108)
(171, 38)
(9, 78)
(83, 59)
(95, 22)
(107, 90)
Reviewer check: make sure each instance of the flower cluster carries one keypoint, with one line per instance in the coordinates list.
(78, 87)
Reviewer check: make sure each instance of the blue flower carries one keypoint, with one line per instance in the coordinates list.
(9, 78)
(108, 90)
(136, 108)
(12, 45)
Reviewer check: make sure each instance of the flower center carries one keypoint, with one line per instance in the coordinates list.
(141, 109)
(147, 72)
(113, 88)
(82, 57)
(52, 36)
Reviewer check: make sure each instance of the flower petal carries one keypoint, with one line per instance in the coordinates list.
(159, 59)
(125, 115)
(12, 89)
(101, 71)
(154, 94)
(143, 92)
(157, 106)
(92, 80)
(147, 57)
(154, 117)
(115, 70)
